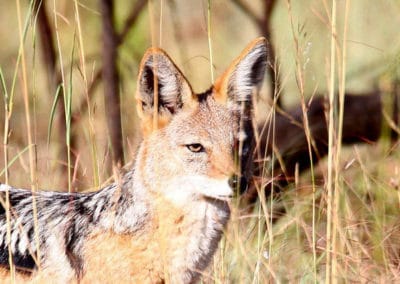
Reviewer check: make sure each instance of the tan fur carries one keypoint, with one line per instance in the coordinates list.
(146, 254)
(40, 277)
(19, 277)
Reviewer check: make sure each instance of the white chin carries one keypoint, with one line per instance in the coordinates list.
(190, 188)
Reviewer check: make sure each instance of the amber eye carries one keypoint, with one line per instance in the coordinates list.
(195, 147)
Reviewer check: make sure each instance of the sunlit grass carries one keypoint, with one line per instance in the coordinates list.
(368, 228)
(365, 200)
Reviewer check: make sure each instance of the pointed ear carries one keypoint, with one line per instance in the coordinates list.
(236, 88)
(162, 90)
(245, 75)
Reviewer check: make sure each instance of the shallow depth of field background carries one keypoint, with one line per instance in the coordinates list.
(254, 250)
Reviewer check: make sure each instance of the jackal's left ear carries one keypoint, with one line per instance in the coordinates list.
(245, 75)
(162, 90)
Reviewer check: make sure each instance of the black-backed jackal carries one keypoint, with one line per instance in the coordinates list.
(163, 220)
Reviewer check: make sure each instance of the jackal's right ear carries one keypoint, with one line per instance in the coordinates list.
(244, 76)
(161, 84)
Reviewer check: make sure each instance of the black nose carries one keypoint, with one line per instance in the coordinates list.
(238, 183)
(233, 181)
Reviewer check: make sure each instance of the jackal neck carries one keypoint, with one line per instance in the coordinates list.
(122, 207)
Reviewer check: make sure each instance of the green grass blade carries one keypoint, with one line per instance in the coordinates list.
(52, 113)
(14, 159)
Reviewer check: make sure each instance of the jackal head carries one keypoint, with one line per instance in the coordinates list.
(194, 143)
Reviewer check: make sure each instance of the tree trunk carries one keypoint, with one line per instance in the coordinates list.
(111, 82)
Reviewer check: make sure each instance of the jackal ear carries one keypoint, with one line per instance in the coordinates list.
(160, 83)
(245, 75)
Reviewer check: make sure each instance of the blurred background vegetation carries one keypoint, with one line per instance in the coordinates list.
(87, 54)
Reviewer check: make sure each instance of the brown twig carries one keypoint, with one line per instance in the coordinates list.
(273, 65)
(264, 26)
(394, 135)
(131, 20)
(129, 23)
(111, 77)
(258, 21)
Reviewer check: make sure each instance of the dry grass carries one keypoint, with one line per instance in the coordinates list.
(341, 221)
(367, 227)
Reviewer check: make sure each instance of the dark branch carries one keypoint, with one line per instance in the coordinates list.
(273, 65)
(245, 9)
(131, 20)
(129, 23)
(111, 81)
(264, 26)
(361, 124)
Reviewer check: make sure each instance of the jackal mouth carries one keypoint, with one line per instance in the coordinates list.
(218, 198)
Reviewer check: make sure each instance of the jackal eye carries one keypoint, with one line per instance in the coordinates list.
(195, 147)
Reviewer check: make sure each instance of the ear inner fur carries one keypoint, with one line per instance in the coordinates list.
(162, 90)
(227, 85)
